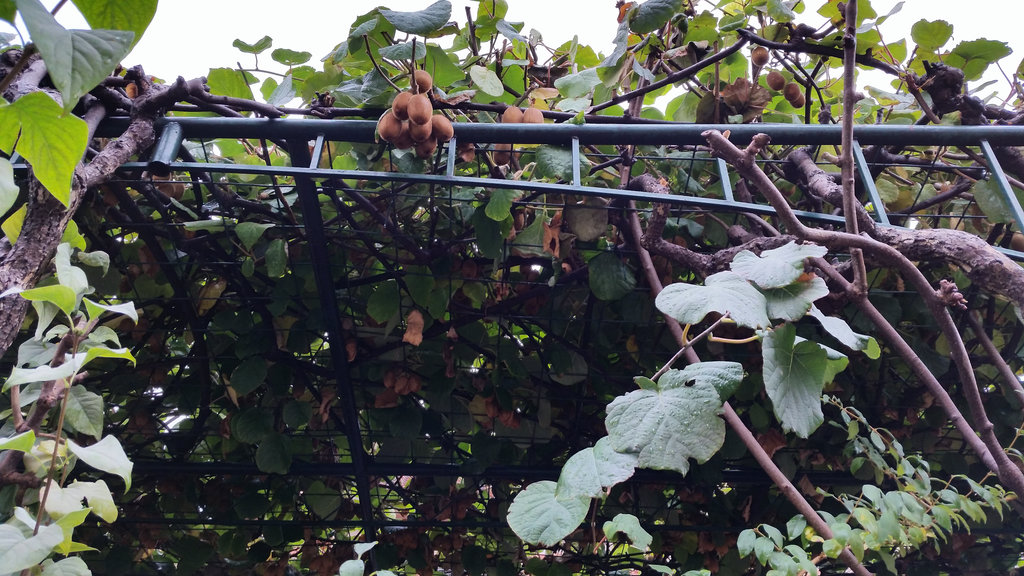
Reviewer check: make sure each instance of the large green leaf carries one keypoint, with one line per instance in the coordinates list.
(249, 375)
(578, 84)
(229, 82)
(133, 16)
(251, 425)
(539, 515)
(591, 471)
(724, 292)
(777, 267)
(107, 455)
(254, 48)
(556, 162)
(974, 56)
(653, 14)
(840, 330)
(77, 495)
(322, 501)
(792, 302)
(77, 60)
(676, 421)
(990, 198)
(72, 566)
(630, 526)
(21, 442)
(274, 456)
(931, 36)
(794, 375)
(422, 22)
(487, 81)
(53, 143)
(610, 278)
(85, 412)
(499, 203)
(18, 552)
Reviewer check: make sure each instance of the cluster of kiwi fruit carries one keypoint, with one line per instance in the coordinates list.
(515, 115)
(776, 81)
(411, 122)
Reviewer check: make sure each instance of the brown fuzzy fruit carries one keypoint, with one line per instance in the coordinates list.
(420, 109)
(404, 140)
(389, 127)
(512, 115)
(423, 81)
(401, 105)
(797, 102)
(502, 154)
(792, 91)
(759, 56)
(442, 128)
(533, 116)
(775, 80)
(419, 132)
(426, 148)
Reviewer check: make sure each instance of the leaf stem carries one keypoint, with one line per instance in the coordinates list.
(687, 344)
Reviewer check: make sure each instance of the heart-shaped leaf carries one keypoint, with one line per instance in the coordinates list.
(539, 515)
(422, 22)
(591, 471)
(794, 375)
(724, 293)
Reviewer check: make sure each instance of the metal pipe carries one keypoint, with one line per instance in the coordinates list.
(166, 150)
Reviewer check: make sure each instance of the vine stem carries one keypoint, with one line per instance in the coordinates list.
(846, 158)
(687, 344)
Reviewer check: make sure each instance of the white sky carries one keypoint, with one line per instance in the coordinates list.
(187, 37)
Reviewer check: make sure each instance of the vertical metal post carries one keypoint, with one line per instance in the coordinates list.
(575, 161)
(313, 221)
(1004, 184)
(723, 175)
(450, 168)
(318, 150)
(166, 149)
(869, 183)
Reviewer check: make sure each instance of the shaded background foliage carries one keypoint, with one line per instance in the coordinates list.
(284, 406)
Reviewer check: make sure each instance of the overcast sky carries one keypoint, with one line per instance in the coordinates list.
(187, 37)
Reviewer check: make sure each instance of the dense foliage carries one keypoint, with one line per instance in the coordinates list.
(471, 355)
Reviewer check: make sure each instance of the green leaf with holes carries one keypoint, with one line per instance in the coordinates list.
(724, 292)
(77, 60)
(422, 22)
(539, 515)
(133, 16)
(677, 421)
(52, 142)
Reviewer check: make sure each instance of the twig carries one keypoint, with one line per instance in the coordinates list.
(1009, 377)
(366, 42)
(686, 345)
(846, 159)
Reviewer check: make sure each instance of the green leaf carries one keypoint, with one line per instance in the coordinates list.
(21, 442)
(132, 16)
(290, 57)
(249, 375)
(361, 548)
(486, 80)
(509, 31)
(274, 456)
(8, 10)
(667, 426)
(556, 162)
(250, 232)
(795, 527)
(383, 303)
(578, 84)
(77, 60)
(930, 36)
(85, 412)
(763, 548)
(794, 375)
(43, 373)
(73, 566)
(974, 56)
(653, 14)
(19, 553)
(591, 471)
(254, 48)
(841, 331)
(777, 267)
(53, 143)
(992, 201)
(792, 302)
(252, 425)
(499, 203)
(422, 22)
(95, 259)
(745, 542)
(60, 296)
(630, 526)
(724, 292)
(322, 501)
(68, 275)
(610, 278)
(539, 515)
(352, 568)
(12, 225)
(403, 51)
(63, 501)
(439, 64)
(8, 189)
(95, 310)
(277, 258)
(780, 11)
(104, 352)
(107, 455)
(229, 82)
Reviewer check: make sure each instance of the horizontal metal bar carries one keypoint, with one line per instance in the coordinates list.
(467, 181)
(650, 134)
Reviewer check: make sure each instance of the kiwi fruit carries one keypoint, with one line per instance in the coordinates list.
(389, 127)
(797, 102)
(419, 132)
(419, 109)
(533, 116)
(404, 140)
(401, 105)
(424, 83)
(792, 91)
(442, 128)
(759, 56)
(426, 148)
(512, 115)
(776, 81)
(502, 154)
